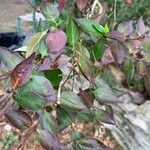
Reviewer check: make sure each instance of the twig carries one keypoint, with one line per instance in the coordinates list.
(73, 81)
(31, 5)
(61, 85)
(2, 77)
(28, 135)
(115, 8)
(5, 98)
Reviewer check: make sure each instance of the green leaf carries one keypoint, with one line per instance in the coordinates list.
(72, 32)
(99, 28)
(42, 49)
(103, 92)
(106, 29)
(129, 69)
(76, 136)
(70, 100)
(54, 76)
(99, 48)
(49, 122)
(33, 94)
(104, 116)
(64, 118)
(85, 116)
(90, 26)
(50, 11)
(42, 86)
(40, 26)
(33, 43)
(27, 98)
(9, 59)
(83, 58)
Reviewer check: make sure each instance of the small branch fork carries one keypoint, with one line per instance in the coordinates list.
(28, 134)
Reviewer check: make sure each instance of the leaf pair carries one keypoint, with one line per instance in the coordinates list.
(114, 54)
(91, 27)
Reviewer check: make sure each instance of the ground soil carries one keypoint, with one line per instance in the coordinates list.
(9, 12)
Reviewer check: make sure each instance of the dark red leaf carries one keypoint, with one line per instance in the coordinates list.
(105, 116)
(135, 45)
(19, 119)
(56, 41)
(61, 4)
(49, 64)
(22, 72)
(118, 52)
(117, 36)
(126, 28)
(107, 57)
(87, 98)
(49, 141)
(81, 4)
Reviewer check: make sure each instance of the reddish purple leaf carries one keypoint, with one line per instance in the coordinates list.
(126, 28)
(81, 4)
(48, 63)
(19, 119)
(22, 72)
(135, 45)
(61, 4)
(118, 52)
(87, 98)
(117, 36)
(107, 57)
(56, 41)
(105, 116)
(140, 27)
